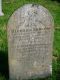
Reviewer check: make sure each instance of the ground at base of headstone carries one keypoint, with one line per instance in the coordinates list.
(47, 78)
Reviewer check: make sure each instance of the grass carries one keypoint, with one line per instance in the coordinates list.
(9, 6)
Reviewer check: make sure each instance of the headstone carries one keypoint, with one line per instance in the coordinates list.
(30, 41)
(1, 13)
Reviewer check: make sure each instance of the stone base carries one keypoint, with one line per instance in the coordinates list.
(1, 13)
(41, 75)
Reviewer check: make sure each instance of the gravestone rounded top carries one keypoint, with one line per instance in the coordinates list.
(31, 12)
(30, 37)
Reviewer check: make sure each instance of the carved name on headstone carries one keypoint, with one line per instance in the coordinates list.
(30, 39)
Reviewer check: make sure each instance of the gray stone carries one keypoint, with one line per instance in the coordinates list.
(30, 42)
(1, 13)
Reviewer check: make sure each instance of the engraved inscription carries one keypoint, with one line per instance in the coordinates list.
(30, 37)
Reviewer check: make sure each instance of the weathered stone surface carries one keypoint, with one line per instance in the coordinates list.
(30, 39)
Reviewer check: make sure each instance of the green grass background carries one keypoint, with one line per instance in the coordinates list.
(9, 6)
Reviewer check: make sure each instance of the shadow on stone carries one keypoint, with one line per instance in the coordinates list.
(4, 64)
(56, 0)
